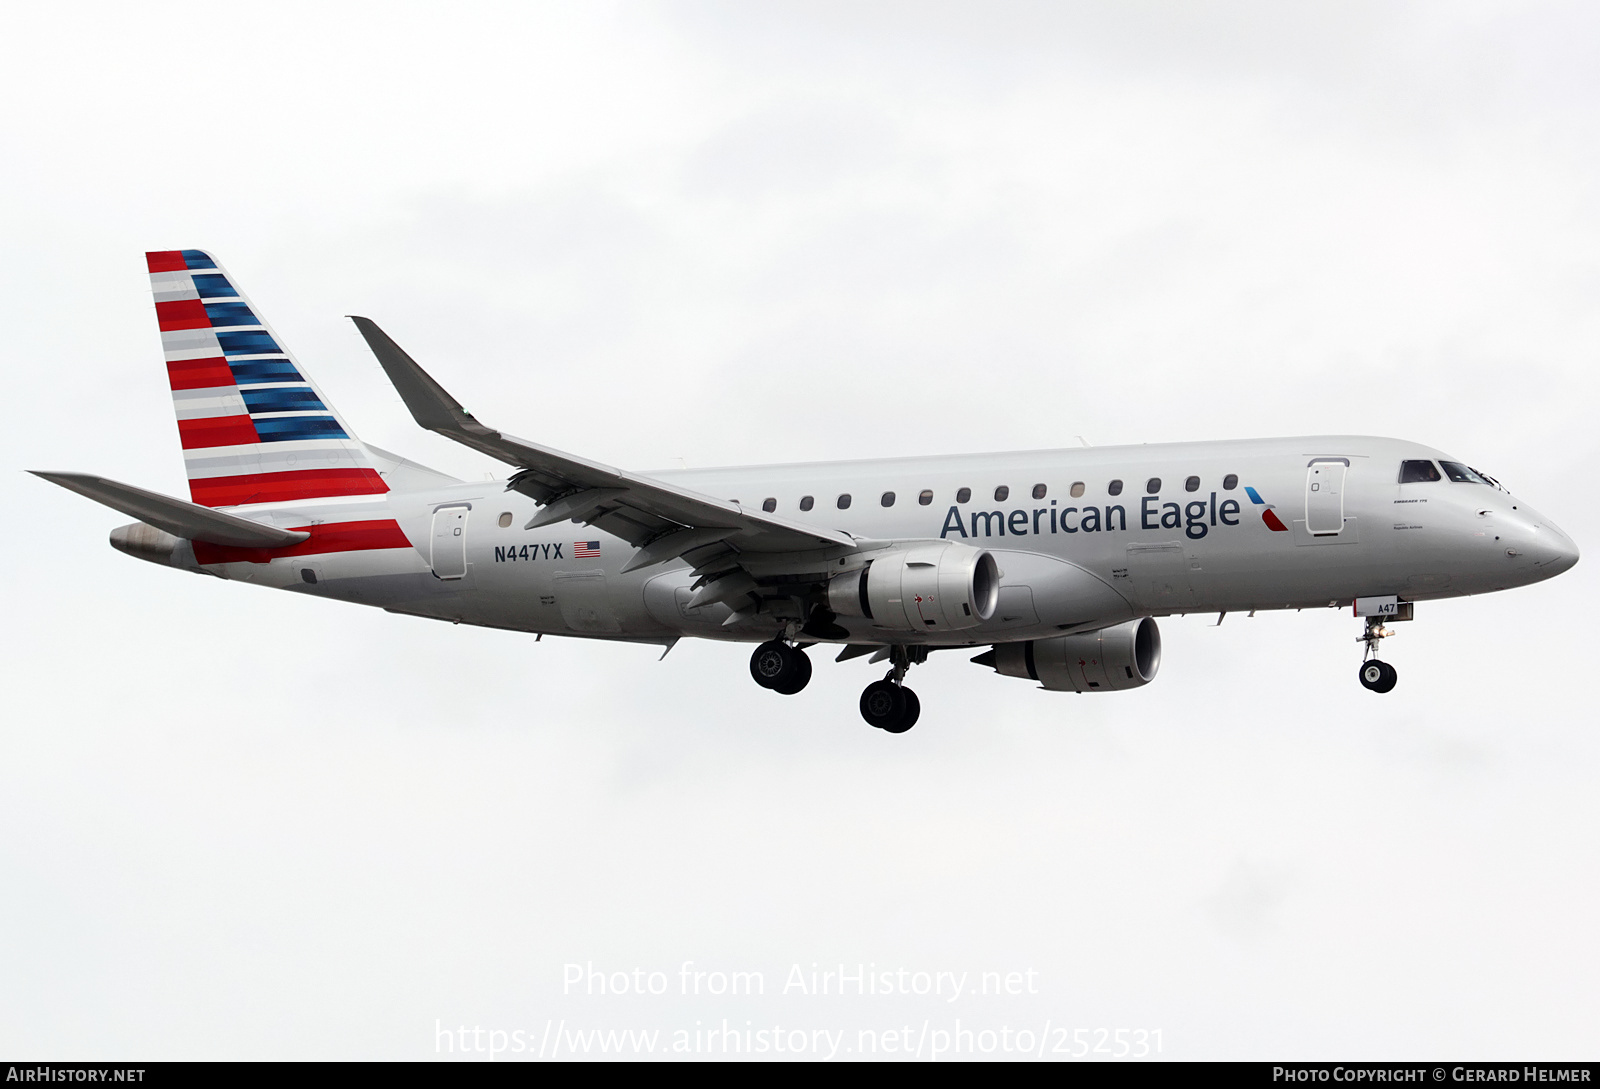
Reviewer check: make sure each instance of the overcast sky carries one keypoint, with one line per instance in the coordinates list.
(243, 824)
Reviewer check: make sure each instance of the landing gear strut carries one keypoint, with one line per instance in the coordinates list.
(780, 667)
(1375, 676)
(888, 704)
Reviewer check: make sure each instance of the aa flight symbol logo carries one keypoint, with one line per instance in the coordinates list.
(1272, 520)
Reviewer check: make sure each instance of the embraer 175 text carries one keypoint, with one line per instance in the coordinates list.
(1056, 561)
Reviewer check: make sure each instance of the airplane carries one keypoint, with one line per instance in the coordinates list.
(1053, 564)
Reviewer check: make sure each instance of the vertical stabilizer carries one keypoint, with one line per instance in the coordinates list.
(254, 427)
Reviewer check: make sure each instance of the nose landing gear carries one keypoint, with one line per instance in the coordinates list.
(888, 704)
(1378, 676)
(1375, 676)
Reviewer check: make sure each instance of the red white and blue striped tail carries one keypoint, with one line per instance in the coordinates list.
(254, 428)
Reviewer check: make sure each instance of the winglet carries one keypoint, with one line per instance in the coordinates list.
(432, 406)
(430, 403)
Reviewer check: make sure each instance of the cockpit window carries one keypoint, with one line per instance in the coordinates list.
(1461, 474)
(1417, 472)
(1492, 481)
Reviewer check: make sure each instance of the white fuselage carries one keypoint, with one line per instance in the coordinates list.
(1187, 530)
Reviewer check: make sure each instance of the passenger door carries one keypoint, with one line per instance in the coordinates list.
(1325, 496)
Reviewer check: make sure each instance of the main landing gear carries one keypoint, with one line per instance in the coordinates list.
(888, 704)
(1375, 676)
(783, 668)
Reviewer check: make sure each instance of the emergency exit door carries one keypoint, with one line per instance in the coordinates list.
(449, 556)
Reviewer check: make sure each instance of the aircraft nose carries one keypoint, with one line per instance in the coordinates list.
(1536, 545)
(1558, 551)
(1548, 550)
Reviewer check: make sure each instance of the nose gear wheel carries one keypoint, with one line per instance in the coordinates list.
(1377, 676)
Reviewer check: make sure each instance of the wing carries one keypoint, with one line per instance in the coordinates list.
(662, 520)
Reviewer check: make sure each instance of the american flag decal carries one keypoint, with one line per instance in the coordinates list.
(586, 550)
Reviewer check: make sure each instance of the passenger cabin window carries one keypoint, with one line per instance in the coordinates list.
(1002, 493)
(1077, 490)
(1192, 484)
(926, 497)
(1152, 485)
(1460, 473)
(1230, 482)
(1417, 472)
(769, 505)
(807, 502)
(1039, 490)
(1114, 488)
(844, 501)
(505, 520)
(887, 499)
(964, 495)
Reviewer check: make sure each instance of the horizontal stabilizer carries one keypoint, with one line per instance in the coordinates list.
(175, 516)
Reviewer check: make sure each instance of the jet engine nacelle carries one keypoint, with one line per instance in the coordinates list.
(1124, 656)
(939, 586)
